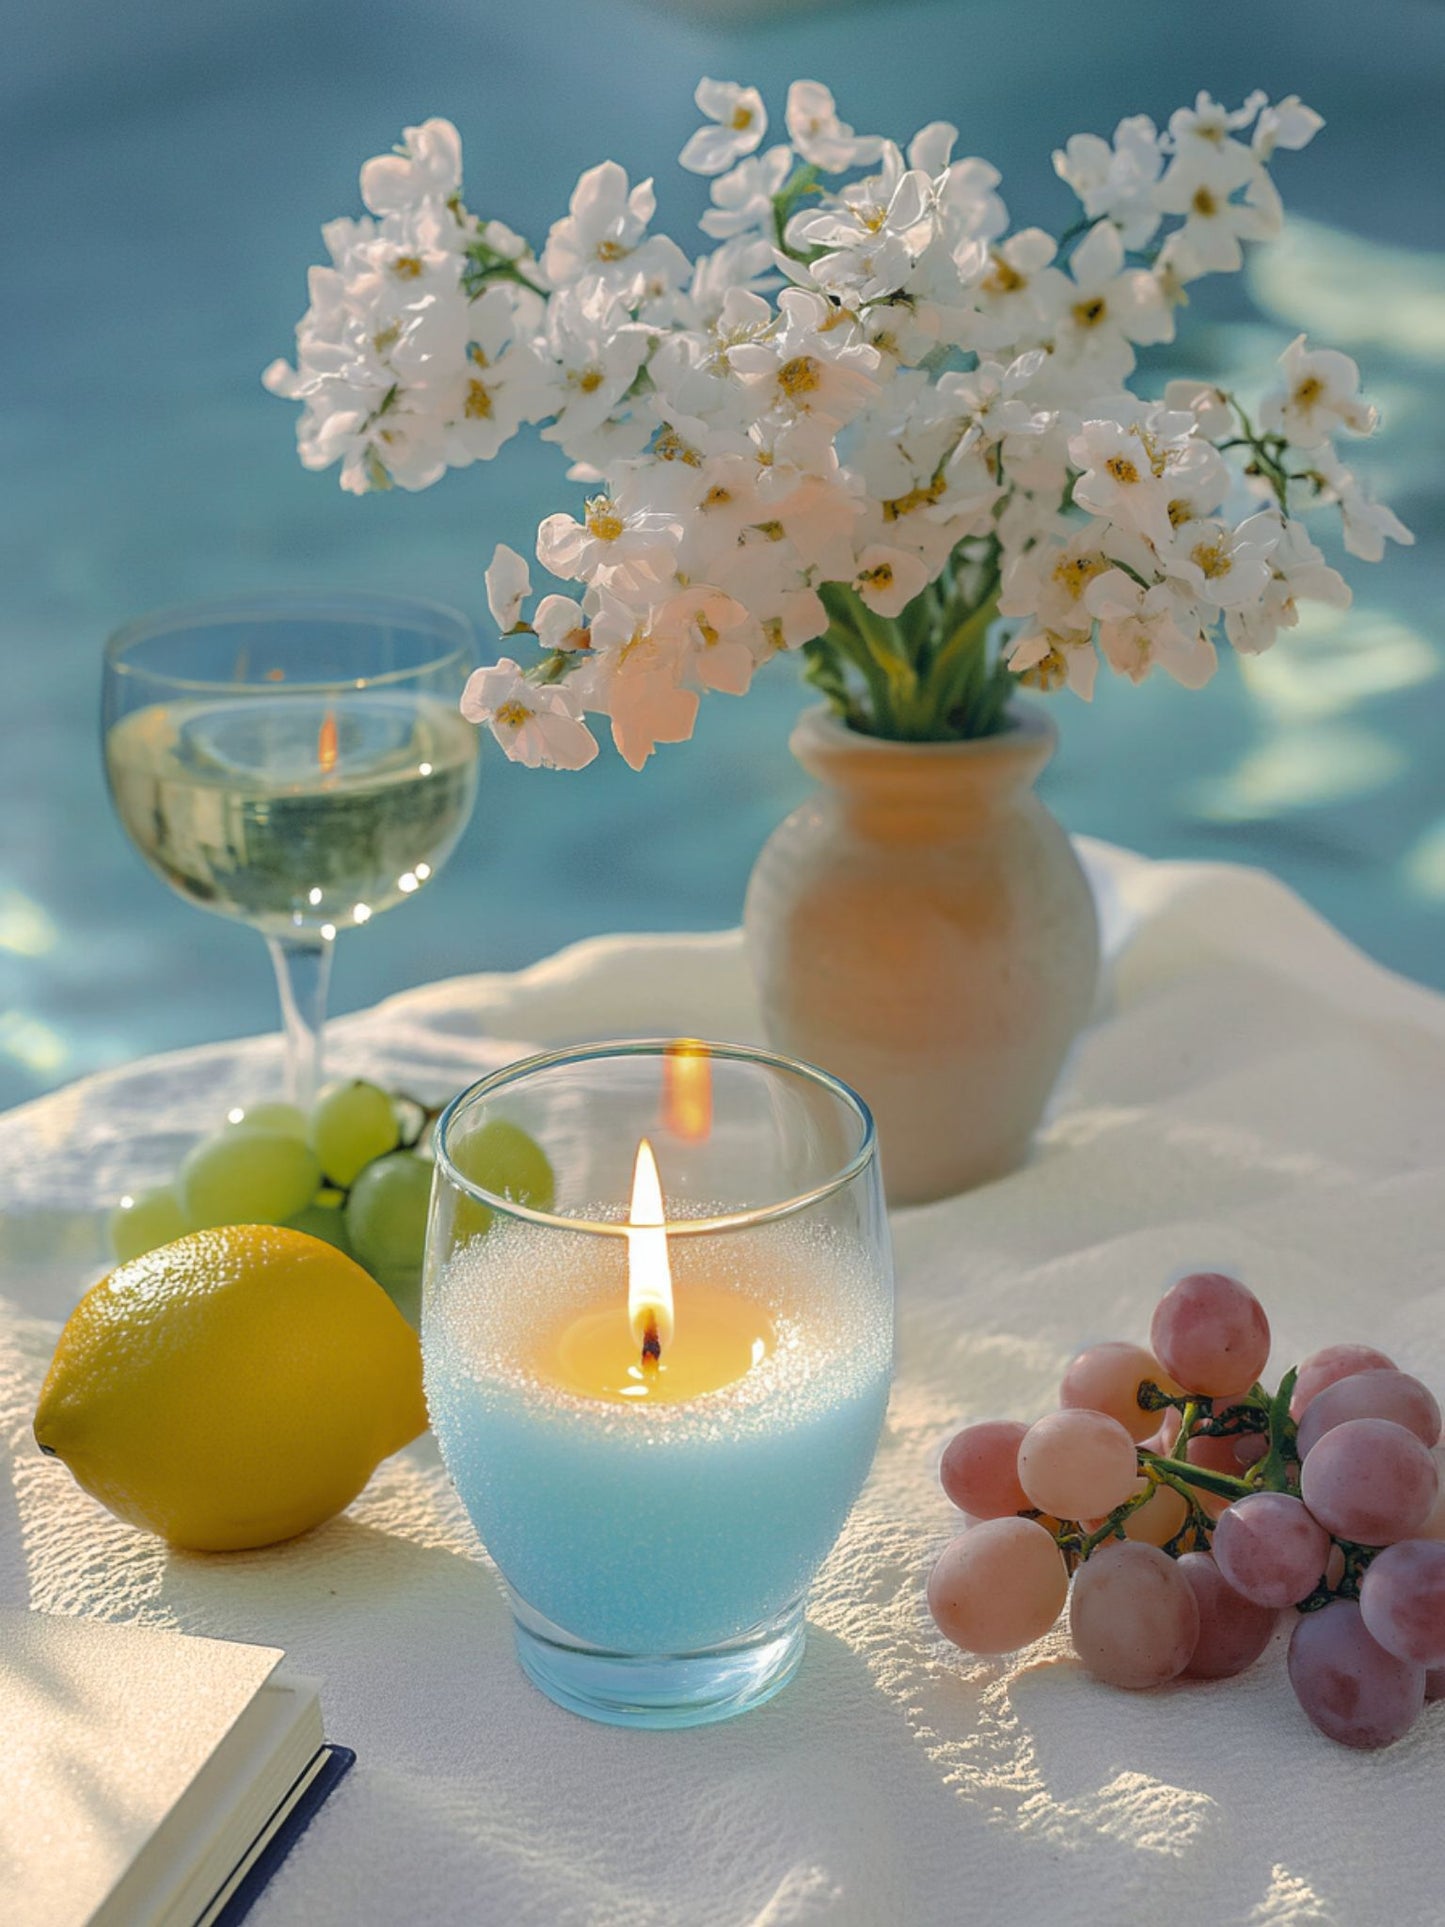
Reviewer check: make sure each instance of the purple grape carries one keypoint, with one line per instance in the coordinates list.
(1327, 1367)
(1211, 1334)
(1375, 1394)
(1233, 1631)
(1370, 1481)
(1348, 1685)
(1133, 1615)
(1271, 1549)
(1403, 1600)
(1435, 1683)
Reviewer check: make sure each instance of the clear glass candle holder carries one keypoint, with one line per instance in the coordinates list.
(658, 1483)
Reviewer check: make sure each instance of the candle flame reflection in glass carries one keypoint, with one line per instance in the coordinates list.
(687, 1090)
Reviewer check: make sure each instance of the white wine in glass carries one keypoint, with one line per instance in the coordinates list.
(299, 764)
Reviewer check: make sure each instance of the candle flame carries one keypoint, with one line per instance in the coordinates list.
(326, 743)
(687, 1090)
(649, 1274)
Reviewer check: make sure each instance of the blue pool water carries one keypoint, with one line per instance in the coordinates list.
(167, 169)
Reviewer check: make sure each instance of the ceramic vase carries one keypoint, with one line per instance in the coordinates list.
(922, 928)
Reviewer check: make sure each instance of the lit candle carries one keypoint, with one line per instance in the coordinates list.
(643, 1351)
(658, 1413)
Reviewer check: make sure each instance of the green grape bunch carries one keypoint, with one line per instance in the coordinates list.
(356, 1172)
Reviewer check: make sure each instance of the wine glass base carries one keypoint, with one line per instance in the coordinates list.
(663, 1690)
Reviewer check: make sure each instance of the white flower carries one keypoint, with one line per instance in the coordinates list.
(633, 676)
(1203, 151)
(932, 146)
(1367, 525)
(1138, 628)
(966, 200)
(871, 234)
(1223, 566)
(561, 623)
(1297, 573)
(636, 550)
(1208, 405)
(819, 136)
(1109, 298)
(1214, 224)
(806, 372)
(1018, 289)
(1288, 124)
(426, 167)
(992, 399)
(739, 122)
(509, 583)
(888, 579)
(606, 222)
(596, 352)
(1046, 659)
(1116, 183)
(1321, 392)
(1119, 480)
(722, 642)
(743, 200)
(538, 725)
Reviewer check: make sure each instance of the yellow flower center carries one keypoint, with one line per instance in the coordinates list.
(774, 531)
(1090, 313)
(670, 447)
(742, 118)
(1003, 277)
(407, 267)
(773, 630)
(1122, 470)
(1204, 203)
(479, 402)
(1075, 572)
(1050, 672)
(799, 376)
(589, 380)
(612, 251)
(706, 631)
(1308, 392)
(1212, 559)
(514, 714)
(388, 338)
(717, 498)
(1180, 512)
(603, 521)
(916, 498)
(880, 577)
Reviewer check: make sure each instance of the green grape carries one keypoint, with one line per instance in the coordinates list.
(501, 1158)
(144, 1223)
(324, 1221)
(386, 1212)
(248, 1177)
(351, 1125)
(288, 1119)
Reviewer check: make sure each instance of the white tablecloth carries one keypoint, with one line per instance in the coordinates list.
(1255, 1095)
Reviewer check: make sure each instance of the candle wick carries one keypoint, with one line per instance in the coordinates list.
(651, 1344)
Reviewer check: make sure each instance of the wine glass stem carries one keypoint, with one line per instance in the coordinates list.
(303, 972)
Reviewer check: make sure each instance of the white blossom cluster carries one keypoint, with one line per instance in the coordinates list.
(869, 381)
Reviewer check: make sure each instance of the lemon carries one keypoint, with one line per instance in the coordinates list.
(233, 1388)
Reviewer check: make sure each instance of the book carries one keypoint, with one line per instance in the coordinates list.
(149, 1778)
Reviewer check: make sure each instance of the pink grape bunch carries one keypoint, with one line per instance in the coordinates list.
(1191, 1507)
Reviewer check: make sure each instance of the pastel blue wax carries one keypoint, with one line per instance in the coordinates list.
(671, 1528)
(644, 1545)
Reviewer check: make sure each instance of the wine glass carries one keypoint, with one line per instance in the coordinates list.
(295, 762)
